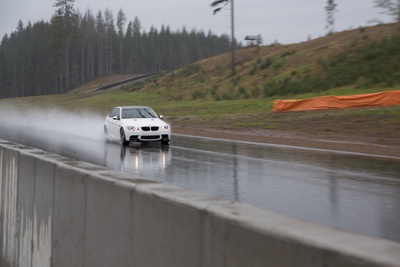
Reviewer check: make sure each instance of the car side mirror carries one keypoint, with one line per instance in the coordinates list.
(161, 117)
(116, 118)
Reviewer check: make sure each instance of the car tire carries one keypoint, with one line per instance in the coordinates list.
(123, 139)
(165, 142)
(106, 136)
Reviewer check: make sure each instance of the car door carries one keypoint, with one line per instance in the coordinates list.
(113, 122)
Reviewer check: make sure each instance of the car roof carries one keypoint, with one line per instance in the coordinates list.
(128, 107)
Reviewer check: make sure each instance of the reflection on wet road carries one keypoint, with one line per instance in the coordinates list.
(351, 192)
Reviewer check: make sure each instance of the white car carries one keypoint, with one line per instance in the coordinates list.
(136, 124)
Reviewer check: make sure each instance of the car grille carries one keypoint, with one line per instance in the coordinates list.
(148, 128)
(150, 137)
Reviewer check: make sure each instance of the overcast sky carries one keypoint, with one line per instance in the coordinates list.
(286, 21)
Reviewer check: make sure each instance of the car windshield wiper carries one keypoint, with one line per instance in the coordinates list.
(151, 114)
(141, 114)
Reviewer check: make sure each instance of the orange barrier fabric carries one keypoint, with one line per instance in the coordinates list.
(388, 98)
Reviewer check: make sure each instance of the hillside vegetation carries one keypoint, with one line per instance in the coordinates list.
(364, 58)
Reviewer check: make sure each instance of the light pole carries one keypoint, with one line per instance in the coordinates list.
(233, 44)
(233, 39)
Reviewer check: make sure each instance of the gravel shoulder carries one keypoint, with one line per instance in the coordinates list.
(332, 130)
(301, 140)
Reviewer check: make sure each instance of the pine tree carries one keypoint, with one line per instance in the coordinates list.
(121, 20)
(65, 21)
(391, 7)
(110, 37)
(136, 31)
(101, 33)
(330, 9)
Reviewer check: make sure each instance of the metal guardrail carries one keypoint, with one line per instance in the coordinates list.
(136, 78)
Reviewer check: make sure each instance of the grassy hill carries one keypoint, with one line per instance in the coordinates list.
(363, 58)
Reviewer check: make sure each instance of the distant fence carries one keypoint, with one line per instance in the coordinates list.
(388, 98)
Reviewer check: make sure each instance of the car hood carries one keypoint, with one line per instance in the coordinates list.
(143, 122)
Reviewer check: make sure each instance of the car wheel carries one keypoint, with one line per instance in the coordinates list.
(106, 133)
(165, 142)
(123, 139)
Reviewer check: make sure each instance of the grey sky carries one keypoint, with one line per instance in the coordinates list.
(287, 21)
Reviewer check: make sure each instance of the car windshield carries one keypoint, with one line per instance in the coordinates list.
(137, 113)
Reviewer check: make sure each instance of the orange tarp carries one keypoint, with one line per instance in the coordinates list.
(388, 98)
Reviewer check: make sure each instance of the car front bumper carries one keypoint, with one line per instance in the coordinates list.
(149, 137)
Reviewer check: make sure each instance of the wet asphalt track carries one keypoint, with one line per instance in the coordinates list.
(356, 193)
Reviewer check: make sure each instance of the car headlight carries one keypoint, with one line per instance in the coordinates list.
(132, 128)
(165, 127)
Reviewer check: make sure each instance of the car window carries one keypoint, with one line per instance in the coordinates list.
(137, 113)
(114, 112)
(130, 113)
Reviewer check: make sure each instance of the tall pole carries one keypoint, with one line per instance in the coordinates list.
(233, 39)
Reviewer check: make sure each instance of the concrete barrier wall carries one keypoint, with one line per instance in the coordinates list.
(58, 212)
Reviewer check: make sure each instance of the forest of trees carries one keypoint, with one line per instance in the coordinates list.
(54, 57)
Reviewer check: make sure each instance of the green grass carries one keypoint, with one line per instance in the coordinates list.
(237, 115)
(104, 101)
